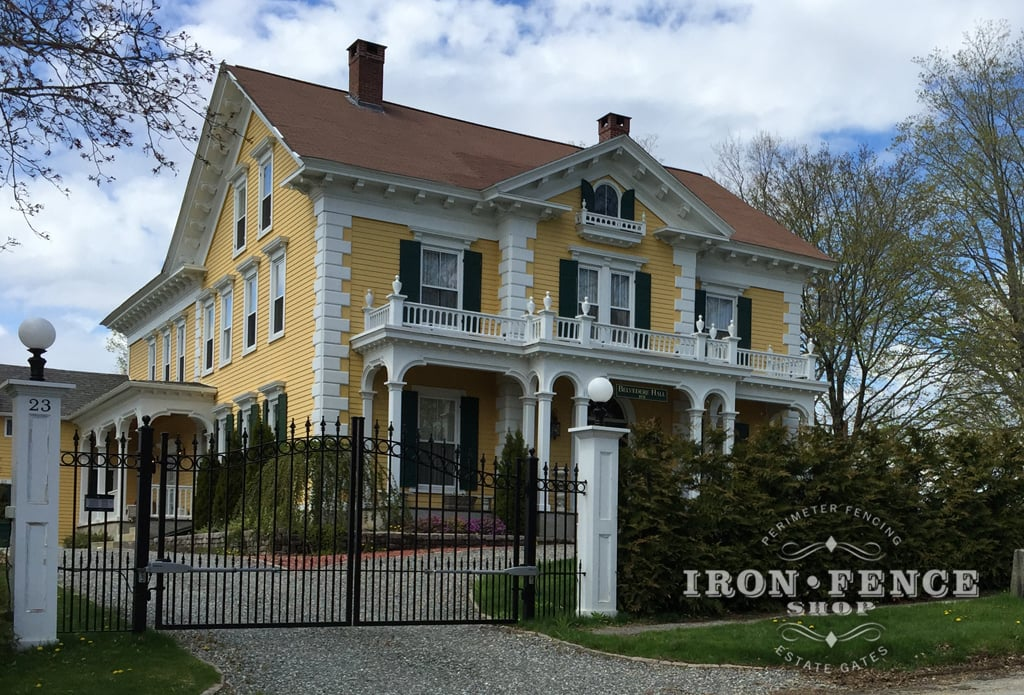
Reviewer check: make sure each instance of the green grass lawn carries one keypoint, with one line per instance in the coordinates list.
(911, 636)
(110, 663)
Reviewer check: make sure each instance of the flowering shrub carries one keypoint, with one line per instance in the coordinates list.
(476, 525)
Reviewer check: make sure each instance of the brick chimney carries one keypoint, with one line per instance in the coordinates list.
(612, 125)
(366, 73)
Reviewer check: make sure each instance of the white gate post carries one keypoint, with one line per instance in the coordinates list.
(35, 540)
(597, 455)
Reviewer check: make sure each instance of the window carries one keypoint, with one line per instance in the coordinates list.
(609, 292)
(719, 314)
(266, 193)
(440, 278)
(166, 340)
(587, 289)
(181, 351)
(240, 203)
(438, 436)
(251, 288)
(277, 297)
(8, 427)
(606, 200)
(209, 327)
(226, 299)
(151, 357)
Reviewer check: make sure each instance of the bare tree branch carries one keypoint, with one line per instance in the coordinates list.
(91, 76)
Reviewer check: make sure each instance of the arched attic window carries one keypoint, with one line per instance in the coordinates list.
(604, 199)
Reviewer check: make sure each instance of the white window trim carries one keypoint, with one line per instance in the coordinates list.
(166, 363)
(249, 270)
(276, 252)
(455, 395)
(209, 333)
(151, 359)
(244, 404)
(731, 300)
(267, 157)
(271, 392)
(226, 319)
(619, 190)
(459, 280)
(604, 287)
(8, 431)
(239, 179)
(181, 338)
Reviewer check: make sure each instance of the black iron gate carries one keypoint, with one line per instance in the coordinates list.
(315, 529)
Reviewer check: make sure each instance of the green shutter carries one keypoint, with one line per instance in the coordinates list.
(409, 438)
(266, 411)
(469, 435)
(409, 268)
(744, 313)
(587, 194)
(240, 422)
(281, 416)
(472, 276)
(568, 281)
(627, 208)
(700, 307)
(255, 431)
(229, 432)
(642, 292)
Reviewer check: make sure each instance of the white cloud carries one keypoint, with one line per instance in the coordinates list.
(692, 73)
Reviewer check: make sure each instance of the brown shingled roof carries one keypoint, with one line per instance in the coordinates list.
(750, 224)
(321, 122)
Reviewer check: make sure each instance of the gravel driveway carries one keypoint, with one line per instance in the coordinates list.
(425, 660)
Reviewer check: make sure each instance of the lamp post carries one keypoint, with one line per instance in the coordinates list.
(37, 335)
(600, 391)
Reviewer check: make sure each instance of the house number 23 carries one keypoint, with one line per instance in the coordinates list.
(39, 405)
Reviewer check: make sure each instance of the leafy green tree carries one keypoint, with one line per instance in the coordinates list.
(967, 138)
(873, 317)
(91, 77)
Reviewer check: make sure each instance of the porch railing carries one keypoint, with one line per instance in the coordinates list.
(546, 327)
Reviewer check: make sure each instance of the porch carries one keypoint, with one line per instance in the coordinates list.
(545, 328)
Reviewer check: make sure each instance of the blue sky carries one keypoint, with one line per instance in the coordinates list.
(692, 73)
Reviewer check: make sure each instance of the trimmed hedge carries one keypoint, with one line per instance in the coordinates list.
(953, 501)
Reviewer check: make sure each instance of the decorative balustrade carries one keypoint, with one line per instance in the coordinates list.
(771, 364)
(593, 219)
(546, 327)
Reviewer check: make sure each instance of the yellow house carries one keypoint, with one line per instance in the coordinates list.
(339, 255)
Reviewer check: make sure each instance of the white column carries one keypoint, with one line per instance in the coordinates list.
(580, 407)
(367, 397)
(35, 541)
(597, 454)
(530, 421)
(729, 426)
(395, 421)
(696, 424)
(543, 441)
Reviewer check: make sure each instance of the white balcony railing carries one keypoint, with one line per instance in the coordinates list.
(179, 502)
(545, 327)
(610, 230)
